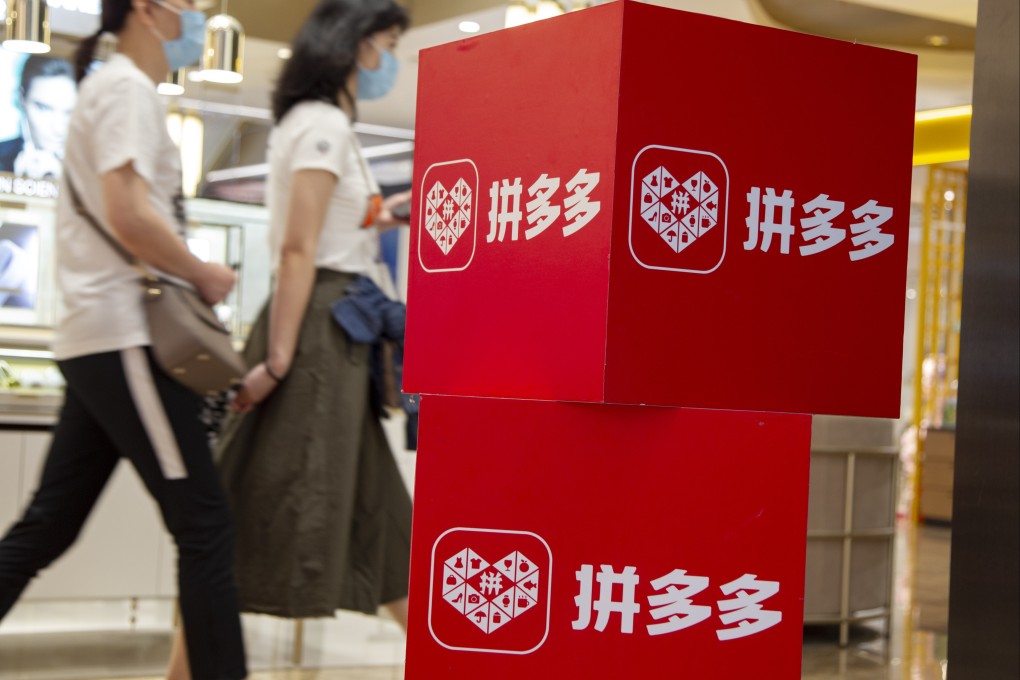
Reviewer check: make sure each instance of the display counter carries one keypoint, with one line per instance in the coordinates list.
(851, 521)
(29, 408)
(31, 387)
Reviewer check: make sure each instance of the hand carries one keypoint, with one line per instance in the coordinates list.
(385, 219)
(37, 164)
(214, 282)
(256, 386)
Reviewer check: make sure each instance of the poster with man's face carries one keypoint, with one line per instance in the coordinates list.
(37, 96)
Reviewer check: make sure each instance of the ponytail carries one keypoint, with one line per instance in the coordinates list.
(84, 54)
(114, 16)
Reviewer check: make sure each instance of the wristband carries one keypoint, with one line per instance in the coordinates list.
(270, 372)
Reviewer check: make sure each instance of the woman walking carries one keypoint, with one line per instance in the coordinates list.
(323, 516)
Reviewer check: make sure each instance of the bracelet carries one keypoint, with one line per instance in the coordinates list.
(272, 375)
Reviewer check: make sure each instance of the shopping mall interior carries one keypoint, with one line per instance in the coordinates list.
(911, 568)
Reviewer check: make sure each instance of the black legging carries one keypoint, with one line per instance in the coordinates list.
(120, 404)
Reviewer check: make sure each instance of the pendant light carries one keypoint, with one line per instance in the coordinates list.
(188, 132)
(173, 86)
(520, 12)
(27, 26)
(223, 59)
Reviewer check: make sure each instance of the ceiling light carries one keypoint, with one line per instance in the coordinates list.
(949, 112)
(469, 26)
(187, 131)
(224, 50)
(284, 53)
(523, 12)
(548, 8)
(27, 26)
(520, 12)
(170, 89)
(173, 85)
(937, 40)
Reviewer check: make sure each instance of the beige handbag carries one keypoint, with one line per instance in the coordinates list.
(188, 341)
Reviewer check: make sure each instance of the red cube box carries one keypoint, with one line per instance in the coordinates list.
(632, 204)
(572, 540)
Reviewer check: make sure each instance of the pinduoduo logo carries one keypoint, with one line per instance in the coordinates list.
(447, 232)
(490, 590)
(678, 209)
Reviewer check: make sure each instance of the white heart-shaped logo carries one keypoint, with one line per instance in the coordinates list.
(680, 213)
(491, 594)
(448, 213)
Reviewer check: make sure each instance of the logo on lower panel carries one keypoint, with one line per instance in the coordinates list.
(490, 590)
(447, 216)
(678, 209)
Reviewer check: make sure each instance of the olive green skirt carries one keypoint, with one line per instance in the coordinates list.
(323, 516)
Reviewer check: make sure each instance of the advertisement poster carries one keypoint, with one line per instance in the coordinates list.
(19, 265)
(37, 96)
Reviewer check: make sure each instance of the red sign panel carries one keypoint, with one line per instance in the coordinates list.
(599, 541)
(658, 207)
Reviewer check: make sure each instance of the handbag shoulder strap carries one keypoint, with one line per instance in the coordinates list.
(79, 207)
(370, 182)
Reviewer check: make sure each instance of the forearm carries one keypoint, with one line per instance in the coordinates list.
(294, 282)
(151, 240)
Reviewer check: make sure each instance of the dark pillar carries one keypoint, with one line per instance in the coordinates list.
(984, 598)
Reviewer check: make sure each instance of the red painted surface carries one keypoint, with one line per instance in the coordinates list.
(537, 490)
(613, 310)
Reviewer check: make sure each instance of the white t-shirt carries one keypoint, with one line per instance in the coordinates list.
(316, 135)
(119, 119)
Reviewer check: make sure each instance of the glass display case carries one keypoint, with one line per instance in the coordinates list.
(31, 387)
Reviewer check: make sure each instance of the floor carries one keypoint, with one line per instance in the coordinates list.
(916, 646)
(356, 647)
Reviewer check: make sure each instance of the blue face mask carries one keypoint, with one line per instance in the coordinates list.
(187, 49)
(378, 83)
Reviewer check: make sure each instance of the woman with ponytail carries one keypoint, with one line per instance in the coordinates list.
(122, 175)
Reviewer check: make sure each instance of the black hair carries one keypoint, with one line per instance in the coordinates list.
(114, 16)
(325, 50)
(43, 67)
